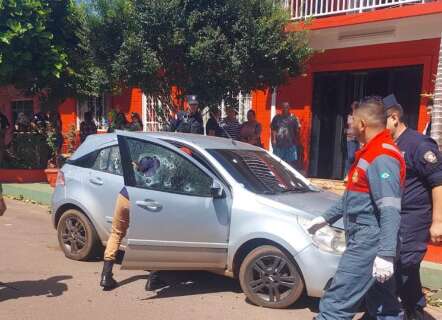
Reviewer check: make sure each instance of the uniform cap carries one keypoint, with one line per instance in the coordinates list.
(390, 101)
(192, 99)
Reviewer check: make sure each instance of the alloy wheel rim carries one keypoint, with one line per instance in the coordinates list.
(74, 235)
(272, 278)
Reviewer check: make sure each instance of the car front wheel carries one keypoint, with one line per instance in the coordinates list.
(270, 278)
(77, 236)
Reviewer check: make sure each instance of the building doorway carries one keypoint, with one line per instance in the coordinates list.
(332, 96)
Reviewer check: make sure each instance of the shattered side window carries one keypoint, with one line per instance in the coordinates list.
(158, 168)
(108, 160)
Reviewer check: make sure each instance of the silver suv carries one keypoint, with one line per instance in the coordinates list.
(212, 204)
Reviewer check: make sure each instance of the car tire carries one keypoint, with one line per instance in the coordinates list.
(77, 236)
(269, 277)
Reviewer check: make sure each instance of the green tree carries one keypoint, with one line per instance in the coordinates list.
(109, 22)
(210, 48)
(44, 49)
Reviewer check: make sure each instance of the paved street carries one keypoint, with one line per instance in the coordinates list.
(43, 284)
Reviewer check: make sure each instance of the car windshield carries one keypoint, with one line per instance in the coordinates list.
(258, 171)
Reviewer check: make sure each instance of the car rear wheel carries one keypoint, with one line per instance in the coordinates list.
(270, 278)
(77, 236)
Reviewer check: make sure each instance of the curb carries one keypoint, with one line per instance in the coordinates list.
(431, 275)
(38, 192)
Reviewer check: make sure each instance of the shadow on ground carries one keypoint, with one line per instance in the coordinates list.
(188, 283)
(50, 287)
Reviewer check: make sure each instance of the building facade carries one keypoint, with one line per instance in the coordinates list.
(362, 48)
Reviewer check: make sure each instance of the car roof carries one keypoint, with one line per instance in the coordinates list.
(97, 141)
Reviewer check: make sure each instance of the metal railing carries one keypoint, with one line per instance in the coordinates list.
(304, 9)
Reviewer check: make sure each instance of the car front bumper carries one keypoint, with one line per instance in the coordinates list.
(318, 268)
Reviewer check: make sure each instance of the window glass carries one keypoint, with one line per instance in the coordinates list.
(258, 171)
(158, 168)
(108, 160)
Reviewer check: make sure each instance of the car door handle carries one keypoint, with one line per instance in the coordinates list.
(150, 205)
(97, 181)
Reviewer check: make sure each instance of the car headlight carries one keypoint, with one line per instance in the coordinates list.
(327, 238)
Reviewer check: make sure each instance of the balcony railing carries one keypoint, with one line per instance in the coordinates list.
(304, 9)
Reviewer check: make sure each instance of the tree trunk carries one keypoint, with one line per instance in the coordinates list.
(436, 116)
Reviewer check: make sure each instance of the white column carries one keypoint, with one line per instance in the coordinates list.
(272, 114)
(144, 111)
(436, 116)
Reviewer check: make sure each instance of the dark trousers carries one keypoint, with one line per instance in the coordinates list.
(410, 287)
(354, 281)
(415, 235)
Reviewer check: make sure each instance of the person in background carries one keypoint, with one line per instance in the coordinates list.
(191, 121)
(22, 124)
(427, 130)
(2, 202)
(212, 125)
(421, 214)
(352, 142)
(135, 123)
(251, 130)
(230, 125)
(39, 122)
(285, 136)
(4, 126)
(87, 127)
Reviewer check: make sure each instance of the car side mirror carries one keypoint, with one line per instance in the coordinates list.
(217, 190)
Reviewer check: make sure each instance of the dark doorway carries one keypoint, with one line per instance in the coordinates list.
(332, 96)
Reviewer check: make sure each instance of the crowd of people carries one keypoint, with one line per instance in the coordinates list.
(39, 123)
(117, 121)
(285, 129)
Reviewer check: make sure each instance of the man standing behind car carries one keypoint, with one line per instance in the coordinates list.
(285, 136)
(371, 209)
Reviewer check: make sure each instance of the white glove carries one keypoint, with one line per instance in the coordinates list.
(383, 268)
(316, 224)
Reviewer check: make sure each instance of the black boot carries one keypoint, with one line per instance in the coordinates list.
(154, 282)
(107, 281)
(415, 314)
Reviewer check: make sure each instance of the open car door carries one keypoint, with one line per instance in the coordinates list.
(179, 210)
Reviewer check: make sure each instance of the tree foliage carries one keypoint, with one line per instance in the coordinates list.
(44, 49)
(210, 48)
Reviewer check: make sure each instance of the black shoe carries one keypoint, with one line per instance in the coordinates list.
(107, 281)
(154, 282)
(415, 314)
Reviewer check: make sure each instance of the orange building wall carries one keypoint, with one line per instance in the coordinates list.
(299, 91)
(128, 101)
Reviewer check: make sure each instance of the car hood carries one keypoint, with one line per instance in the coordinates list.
(312, 203)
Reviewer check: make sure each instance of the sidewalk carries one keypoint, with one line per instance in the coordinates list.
(36, 192)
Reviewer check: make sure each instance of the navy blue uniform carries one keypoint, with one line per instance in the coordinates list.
(424, 172)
